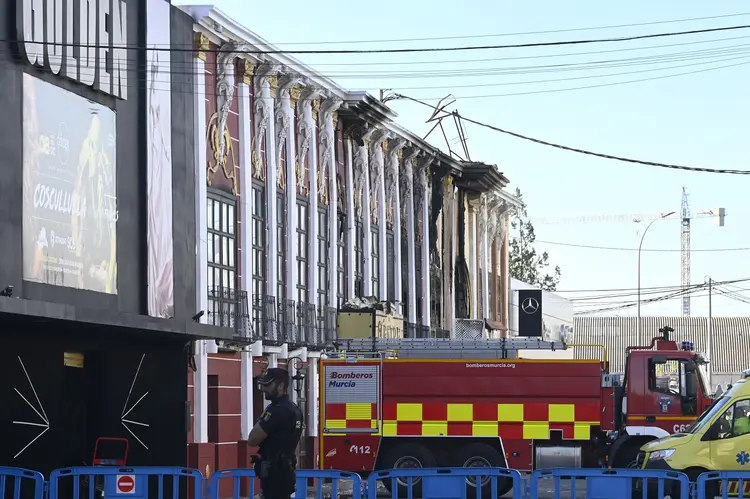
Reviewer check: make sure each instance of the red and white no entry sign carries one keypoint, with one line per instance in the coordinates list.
(125, 484)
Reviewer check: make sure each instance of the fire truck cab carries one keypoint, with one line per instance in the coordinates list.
(393, 403)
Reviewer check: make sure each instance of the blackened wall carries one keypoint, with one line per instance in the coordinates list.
(131, 167)
(183, 163)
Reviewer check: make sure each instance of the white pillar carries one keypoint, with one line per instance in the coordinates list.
(246, 184)
(351, 217)
(377, 166)
(291, 199)
(312, 396)
(328, 161)
(311, 109)
(411, 233)
(200, 376)
(367, 226)
(266, 84)
(484, 241)
(425, 207)
(472, 252)
(246, 393)
(393, 196)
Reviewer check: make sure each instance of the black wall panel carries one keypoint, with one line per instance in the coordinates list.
(183, 164)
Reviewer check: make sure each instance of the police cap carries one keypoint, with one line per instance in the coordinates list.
(272, 374)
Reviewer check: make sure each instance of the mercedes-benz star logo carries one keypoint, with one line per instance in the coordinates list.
(530, 306)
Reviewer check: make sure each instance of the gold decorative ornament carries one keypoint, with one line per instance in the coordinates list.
(248, 70)
(273, 84)
(212, 138)
(202, 45)
(323, 187)
(281, 180)
(315, 108)
(301, 174)
(448, 181)
(335, 117)
(294, 94)
(258, 166)
(400, 155)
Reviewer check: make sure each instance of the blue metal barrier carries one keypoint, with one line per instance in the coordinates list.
(111, 482)
(613, 483)
(303, 476)
(21, 477)
(724, 483)
(446, 483)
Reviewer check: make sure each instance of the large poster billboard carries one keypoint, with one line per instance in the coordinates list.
(69, 189)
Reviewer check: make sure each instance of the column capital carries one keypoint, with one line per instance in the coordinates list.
(329, 107)
(201, 44)
(287, 82)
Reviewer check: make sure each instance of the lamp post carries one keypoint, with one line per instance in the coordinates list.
(640, 247)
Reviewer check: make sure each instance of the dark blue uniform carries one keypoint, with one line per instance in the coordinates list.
(283, 422)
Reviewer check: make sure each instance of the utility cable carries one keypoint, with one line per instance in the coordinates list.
(655, 250)
(675, 286)
(582, 151)
(559, 43)
(522, 33)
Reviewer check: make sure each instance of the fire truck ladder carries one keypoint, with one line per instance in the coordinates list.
(432, 348)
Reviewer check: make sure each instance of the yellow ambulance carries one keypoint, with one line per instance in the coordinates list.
(718, 440)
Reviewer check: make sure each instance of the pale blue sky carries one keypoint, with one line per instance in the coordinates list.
(697, 119)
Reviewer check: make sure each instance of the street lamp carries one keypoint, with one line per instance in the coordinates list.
(640, 246)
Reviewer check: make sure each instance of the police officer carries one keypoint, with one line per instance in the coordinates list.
(277, 433)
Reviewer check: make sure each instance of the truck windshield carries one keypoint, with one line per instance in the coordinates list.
(708, 415)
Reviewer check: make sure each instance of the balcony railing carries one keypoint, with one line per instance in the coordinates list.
(229, 308)
(272, 321)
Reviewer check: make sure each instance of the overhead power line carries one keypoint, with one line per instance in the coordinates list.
(665, 288)
(578, 150)
(559, 43)
(658, 250)
(522, 33)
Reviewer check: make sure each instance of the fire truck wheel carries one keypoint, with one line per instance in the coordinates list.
(479, 455)
(407, 455)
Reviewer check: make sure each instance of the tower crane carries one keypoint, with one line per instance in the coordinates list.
(685, 216)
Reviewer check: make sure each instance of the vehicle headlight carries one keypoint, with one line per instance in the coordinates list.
(658, 455)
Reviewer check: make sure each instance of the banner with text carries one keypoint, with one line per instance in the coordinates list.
(69, 189)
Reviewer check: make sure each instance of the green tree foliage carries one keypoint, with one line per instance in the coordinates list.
(525, 263)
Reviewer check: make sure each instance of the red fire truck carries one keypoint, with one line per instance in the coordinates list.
(393, 403)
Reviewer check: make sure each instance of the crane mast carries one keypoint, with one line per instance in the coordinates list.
(685, 252)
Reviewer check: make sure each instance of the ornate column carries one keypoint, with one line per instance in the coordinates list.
(200, 376)
(266, 87)
(393, 201)
(351, 219)
(377, 212)
(449, 258)
(472, 242)
(362, 182)
(423, 171)
(484, 255)
(284, 110)
(307, 115)
(327, 140)
(407, 212)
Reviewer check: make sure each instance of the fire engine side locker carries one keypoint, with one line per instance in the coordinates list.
(360, 351)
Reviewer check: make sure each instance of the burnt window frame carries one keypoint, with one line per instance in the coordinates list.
(375, 260)
(323, 243)
(359, 259)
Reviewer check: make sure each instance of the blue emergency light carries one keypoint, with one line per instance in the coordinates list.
(687, 346)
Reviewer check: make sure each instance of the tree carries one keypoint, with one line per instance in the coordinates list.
(525, 263)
